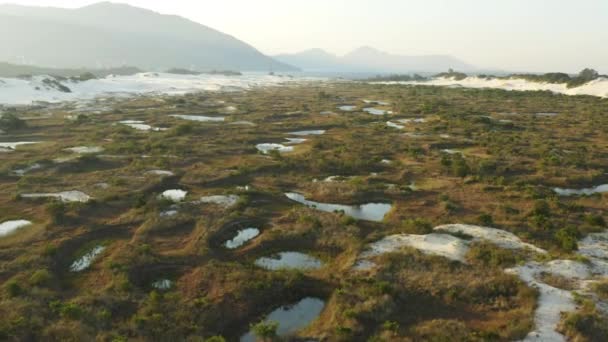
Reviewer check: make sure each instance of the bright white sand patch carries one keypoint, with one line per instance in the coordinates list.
(450, 151)
(141, 126)
(597, 87)
(14, 145)
(231, 109)
(243, 123)
(568, 269)
(9, 227)
(66, 196)
(498, 237)
(444, 245)
(296, 141)
(347, 108)
(199, 118)
(327, 112)
(595, 248)
(160, 173)
(224, 201)
(86, 260)
(174, 195)
(594, 245)
(267, 147)
(376, 111)
(309, 132)
(85, 149)
(551, 304)
(394, 125)
(163, 284)
(332, 179)
(23, 91)
(407, 121)
(552, 301)
(582, 192)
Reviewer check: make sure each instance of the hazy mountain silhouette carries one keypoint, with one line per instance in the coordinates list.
(367, 59)
(109, 35)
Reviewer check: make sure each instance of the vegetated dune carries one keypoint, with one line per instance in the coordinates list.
(553, 301)
(598, 87)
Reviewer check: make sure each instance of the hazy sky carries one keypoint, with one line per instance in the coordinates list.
(517, 35)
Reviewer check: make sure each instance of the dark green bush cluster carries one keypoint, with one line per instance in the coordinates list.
(10, 121)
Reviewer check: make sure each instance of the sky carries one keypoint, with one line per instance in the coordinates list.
(513, 35)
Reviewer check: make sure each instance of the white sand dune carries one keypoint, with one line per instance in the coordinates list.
(85, 149)
(14, 145)
(582, 192)
(65, 196)
(174, 195)
(15, 91)
(394, 125)
(597, 87)
(141, 126)
(552, 301)
(199, 118)
(9, 227)
(162, 173)
(267, 147)
(86, 260)
(498, 237)
(309, 132)
(221, 200)
(444, 245)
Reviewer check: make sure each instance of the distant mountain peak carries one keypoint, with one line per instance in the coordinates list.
(110, 34)
(113, 6)
(370, 59)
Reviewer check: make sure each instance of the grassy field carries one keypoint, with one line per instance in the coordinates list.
(480, 157)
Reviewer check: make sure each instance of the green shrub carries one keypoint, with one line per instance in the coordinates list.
(416, 226)
(40, 278)
(13, 289)
(215, 339)
(182, 129)
(57, 210)
(10, 121)
(567, 238)
(265, 330)
(66, 310)
(490, 255)
(595, 220)
(486, 220)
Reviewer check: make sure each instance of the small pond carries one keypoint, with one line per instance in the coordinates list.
(242, 237)
(368, 212)
(289, 260)
(292, 318)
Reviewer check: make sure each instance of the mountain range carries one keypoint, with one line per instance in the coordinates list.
(110, 35)
(367, 59)
(107, 35)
